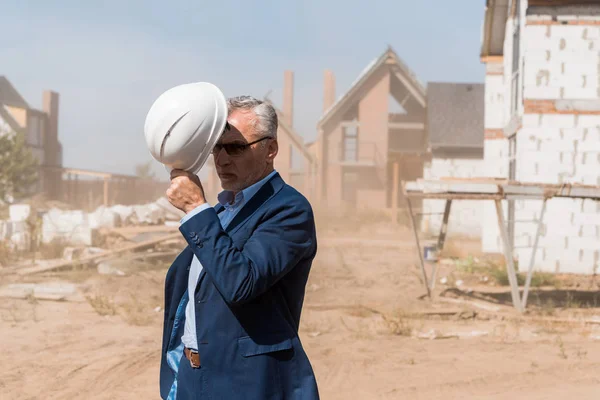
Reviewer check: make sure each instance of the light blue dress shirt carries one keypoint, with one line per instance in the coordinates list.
(233, 204)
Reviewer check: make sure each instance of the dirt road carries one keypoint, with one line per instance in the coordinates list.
(364, 326)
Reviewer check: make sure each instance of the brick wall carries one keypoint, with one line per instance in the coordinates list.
(495, 149)
(560, 142)
(561, 62)
(465, 216)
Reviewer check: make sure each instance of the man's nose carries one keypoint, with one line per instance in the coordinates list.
(221, 157)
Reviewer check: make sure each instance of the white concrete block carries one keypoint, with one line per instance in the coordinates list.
(19, 212)
(587, 220)
(531, 91)
(576, 69)
(585, 243)
(523, 241)
(533, 35)
(557, 145)
(588, 179)
(558, 253)
(570, 56)
(573, 133)
(591, 33)
(547, 157)
(558, 121)
(70, 226)
(589, 231)
(531, 121)
(571, 32)
(579, 92)
(588, 121)
(536, 55)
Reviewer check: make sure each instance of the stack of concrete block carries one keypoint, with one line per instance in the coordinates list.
(561, 61)
(560, 148)
(465, 216)
(14, 230)
(71, 227)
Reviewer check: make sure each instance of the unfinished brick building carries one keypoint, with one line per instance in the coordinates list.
(380, 120)
(542, 123)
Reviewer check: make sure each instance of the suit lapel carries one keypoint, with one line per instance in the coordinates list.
(270, 187)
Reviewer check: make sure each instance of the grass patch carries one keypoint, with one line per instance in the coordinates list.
(102, 305)
(136, 313)
(499, 275)
(538, 279)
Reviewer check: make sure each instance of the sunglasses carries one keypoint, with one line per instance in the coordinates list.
(236, 149)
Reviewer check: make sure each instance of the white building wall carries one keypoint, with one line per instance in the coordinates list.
(495, 151)
(560, 143)
(465, 216)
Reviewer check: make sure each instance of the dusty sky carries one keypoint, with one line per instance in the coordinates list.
(109, 60)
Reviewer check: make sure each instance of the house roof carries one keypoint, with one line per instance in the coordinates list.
(389, 58)
(291, 132)
(8, 119)
(9, 95)
(494, 28)
(455, 113)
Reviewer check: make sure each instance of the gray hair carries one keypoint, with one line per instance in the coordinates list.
(265, 123)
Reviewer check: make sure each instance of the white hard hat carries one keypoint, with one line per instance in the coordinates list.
(184, 124)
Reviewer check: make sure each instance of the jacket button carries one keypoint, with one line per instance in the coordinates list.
(192, 234)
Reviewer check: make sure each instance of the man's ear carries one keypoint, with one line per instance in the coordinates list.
(272, 150)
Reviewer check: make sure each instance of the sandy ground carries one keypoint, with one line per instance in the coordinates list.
(366, 327)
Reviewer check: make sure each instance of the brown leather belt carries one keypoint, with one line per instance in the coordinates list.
(192, 356)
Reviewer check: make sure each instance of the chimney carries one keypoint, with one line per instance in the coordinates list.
(288, 97)
(328, 90)
(50, 107)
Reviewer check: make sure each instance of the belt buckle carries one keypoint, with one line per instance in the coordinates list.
(192, 352)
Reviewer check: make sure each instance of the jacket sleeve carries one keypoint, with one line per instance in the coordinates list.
(279, 242)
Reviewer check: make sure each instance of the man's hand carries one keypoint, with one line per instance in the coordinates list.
(185, 192)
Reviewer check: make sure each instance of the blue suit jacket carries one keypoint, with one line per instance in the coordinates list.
(248, 298)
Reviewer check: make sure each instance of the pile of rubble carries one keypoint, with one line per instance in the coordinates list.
(78, 228)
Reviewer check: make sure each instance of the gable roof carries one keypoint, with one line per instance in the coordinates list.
(292, 134)
(494, 28)
(455, 113)
(9, 95)
(399, 68)
(9, 120)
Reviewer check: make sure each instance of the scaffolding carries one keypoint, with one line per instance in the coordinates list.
(452, 189)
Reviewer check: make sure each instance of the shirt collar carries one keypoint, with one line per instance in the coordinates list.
(227, 199)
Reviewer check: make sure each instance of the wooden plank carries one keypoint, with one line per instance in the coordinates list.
(416, 233)
(453, 187)
(477, 188)
(395, 193)
(406, 125)
(455, 196)
(136, 230)
(510, 266)
(95, 257)
(105, 190)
